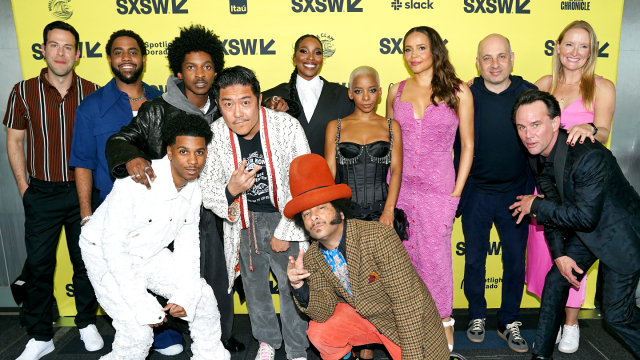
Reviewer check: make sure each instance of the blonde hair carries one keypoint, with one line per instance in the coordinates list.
(363, 70)
(587, 80)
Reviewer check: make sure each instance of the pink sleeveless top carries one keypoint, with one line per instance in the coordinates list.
(575, 113)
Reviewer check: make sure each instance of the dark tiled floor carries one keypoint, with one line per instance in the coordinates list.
(597, 341)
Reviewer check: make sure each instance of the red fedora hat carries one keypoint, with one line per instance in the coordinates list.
(311, 184)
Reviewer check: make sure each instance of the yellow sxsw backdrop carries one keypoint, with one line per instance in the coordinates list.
(260, 35)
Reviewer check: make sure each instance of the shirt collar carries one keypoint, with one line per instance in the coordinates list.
(551, 156)
(342, 245)
(165, 187)
(72, 87)
(111, 94)
(315, 83)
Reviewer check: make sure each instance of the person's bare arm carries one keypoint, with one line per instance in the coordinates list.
(15, 151)
(465, 113)
(330, 146)
(396, 176)
(84, 187)
(604, 109)
(391, 97)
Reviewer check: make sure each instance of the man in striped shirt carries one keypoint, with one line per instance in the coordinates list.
(43, 107)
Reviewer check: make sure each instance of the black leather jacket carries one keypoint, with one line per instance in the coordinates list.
(142, 137)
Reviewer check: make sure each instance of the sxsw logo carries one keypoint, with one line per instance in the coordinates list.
(499, 6)
(129, 7)
(87, 50)
(238, 6)
(394, 45)
(325, 5)
(413, 5)
(550, 45)
(494, 248)
(248, 47)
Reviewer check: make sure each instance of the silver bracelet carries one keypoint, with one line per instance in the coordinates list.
(84, 220)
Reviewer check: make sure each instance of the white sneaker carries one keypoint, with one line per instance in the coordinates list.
(265, 352)
(172, 350)
(300, 358)
(36, 349)
(91, 338)
(559, 337)
(570, 339)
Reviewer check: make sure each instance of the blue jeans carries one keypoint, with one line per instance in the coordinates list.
(480, 213)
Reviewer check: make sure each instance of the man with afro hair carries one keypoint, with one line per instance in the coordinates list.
(195, 57)
(126, 249)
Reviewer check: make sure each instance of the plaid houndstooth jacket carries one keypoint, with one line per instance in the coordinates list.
(397, 302)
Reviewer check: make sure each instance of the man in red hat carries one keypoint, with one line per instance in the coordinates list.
(356, 282)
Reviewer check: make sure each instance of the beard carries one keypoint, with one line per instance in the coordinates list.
(336, 219)
(123, 78)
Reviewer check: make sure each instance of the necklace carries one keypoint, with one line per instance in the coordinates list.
(139, 98)
(182, 187)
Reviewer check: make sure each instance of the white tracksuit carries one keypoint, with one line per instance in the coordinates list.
(124, 247)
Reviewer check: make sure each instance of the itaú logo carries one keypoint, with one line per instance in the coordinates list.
(146, 7)
(238, 6)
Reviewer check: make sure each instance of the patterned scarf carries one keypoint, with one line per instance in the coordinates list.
(339, 267)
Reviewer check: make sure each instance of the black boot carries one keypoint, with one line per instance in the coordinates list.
(540, 357)
(233, 345)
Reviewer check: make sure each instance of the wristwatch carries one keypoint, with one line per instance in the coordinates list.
(595, 129)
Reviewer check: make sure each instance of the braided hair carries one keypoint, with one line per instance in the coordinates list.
(293, 92)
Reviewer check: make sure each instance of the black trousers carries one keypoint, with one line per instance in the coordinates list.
(619, 307)
(480, 213)
(48, 206)
(213, 268)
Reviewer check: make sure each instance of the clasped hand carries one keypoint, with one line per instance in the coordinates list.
(523, 206)
(175, 310)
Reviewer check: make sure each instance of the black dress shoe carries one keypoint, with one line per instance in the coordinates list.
(540, 357)
(233, 345)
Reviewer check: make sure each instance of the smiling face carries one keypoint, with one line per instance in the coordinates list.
(187, 157)
(495, 60)
(127, 62)
(308, 58)
(536, 130)
(365, 92)
(197, 73)
(417, 52)
(323, 222)
(574, 49)
(240, 109)
(60, 52)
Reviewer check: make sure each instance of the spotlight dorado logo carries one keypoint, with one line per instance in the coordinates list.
(60, 9)
(327, 45)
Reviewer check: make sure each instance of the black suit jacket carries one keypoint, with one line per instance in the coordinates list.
(334, 103)
(599, 206)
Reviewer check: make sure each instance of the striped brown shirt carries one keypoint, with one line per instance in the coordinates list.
(37, 107)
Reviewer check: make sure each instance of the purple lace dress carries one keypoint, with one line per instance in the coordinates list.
(428, 177)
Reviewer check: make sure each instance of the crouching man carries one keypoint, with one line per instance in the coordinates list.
(356, 282)
(126, 248)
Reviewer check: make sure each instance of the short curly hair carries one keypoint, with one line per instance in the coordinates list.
(341, 205)
(184, 124)
(127, 33)
(192, 39)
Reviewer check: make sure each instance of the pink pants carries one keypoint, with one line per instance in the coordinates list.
(345, 329)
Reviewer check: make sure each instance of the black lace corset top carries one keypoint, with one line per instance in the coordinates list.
(364, 168)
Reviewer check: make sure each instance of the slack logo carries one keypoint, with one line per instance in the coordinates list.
(412, 5)
(238, 6)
